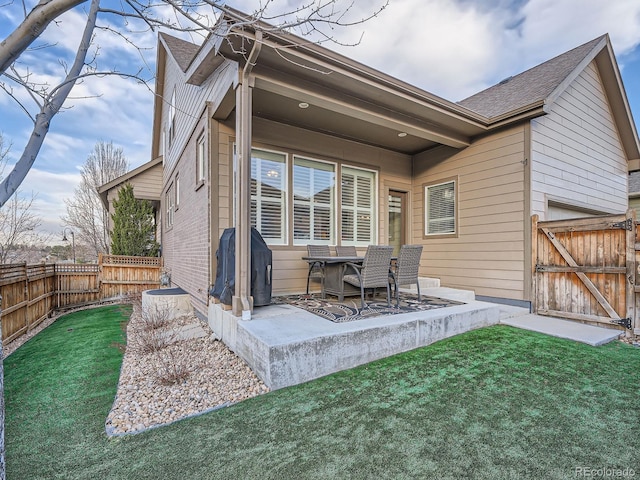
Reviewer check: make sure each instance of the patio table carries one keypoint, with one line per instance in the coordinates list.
(334, 272)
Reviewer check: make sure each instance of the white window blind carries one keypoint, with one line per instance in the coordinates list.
(440, 208)
(313, 202)
(358, 206)
(268, 195)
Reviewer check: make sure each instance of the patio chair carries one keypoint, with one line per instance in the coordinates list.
(406, 269)
(346, 251)
(373, 273)
(316, 268)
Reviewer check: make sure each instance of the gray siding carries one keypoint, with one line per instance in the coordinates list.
(577, 158)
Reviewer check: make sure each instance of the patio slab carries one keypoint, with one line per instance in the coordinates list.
(286, 346)
(568, 329)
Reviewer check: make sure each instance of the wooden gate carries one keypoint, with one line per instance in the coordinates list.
(585, 269)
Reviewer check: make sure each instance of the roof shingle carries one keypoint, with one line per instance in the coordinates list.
(181, 50)
(531, 86)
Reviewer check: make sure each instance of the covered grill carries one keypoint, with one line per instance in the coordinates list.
(261, 266)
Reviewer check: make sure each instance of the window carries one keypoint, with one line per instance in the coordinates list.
(440, 208)
(268, 195)
(201, 163)
(358, 206)
(177, 182)
(169, 200)
(314, 186)
(172, 117)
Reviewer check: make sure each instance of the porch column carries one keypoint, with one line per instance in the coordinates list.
(242, 303)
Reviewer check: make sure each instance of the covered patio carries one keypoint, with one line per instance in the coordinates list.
(344, 171)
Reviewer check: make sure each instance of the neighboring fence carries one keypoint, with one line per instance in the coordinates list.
(585, 269)
(31, 292)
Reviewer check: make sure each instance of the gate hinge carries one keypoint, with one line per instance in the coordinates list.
(623, 322)
(625, 225)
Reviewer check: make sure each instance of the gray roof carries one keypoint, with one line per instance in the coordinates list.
(182, 51)
(529, 87)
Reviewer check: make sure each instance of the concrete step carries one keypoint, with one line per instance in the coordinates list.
(455, 294)
(568, 329)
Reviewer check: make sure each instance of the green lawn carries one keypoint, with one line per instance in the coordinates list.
(493, 403)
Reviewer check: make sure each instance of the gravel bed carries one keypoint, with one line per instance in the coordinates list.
(217, 377)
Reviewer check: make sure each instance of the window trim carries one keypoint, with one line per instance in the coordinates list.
(456, 213)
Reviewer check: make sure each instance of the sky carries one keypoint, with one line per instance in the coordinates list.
(450, 48)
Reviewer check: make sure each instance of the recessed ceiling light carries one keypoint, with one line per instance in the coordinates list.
(303, 105)
(402, 134)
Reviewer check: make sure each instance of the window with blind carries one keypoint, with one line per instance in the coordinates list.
(440, 208)
(201, 163)
(314, 185)
(268, 195)
(358, 206)
(169, 201)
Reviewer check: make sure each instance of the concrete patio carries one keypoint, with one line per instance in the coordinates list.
(285, 345)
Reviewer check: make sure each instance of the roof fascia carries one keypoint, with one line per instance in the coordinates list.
(161, 61)
(559, 90)
(604, 57)
(617, 96)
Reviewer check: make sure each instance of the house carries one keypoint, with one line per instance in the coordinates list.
(146, 181)
(256, 127)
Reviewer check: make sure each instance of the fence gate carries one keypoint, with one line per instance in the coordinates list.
(584, 269)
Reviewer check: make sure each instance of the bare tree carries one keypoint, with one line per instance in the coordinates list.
(85, 211)
(316, 19)
(18, 222)
(18, 228)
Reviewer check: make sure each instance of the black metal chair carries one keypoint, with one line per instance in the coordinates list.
(405, 271)
(346, 251)
(316, 268)
(373, 273)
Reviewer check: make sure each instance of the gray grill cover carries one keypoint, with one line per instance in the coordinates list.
(261, 266)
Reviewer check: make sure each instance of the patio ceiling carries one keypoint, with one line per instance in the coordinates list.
(349, 100)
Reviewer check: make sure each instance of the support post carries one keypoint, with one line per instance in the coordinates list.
(241, 302)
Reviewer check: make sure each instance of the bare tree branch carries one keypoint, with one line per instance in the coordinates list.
(10, 184)
(34, 24)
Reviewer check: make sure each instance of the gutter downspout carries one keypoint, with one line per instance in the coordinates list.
(242, 302)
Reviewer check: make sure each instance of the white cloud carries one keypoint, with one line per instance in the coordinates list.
(452, 48)
(457, 48)
(51, 189)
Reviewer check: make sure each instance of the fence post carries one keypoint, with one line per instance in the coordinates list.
(630, 281)
(534, 261)
(2, 462)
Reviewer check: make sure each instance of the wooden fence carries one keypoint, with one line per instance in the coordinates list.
(30, 293)
(585, 269)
